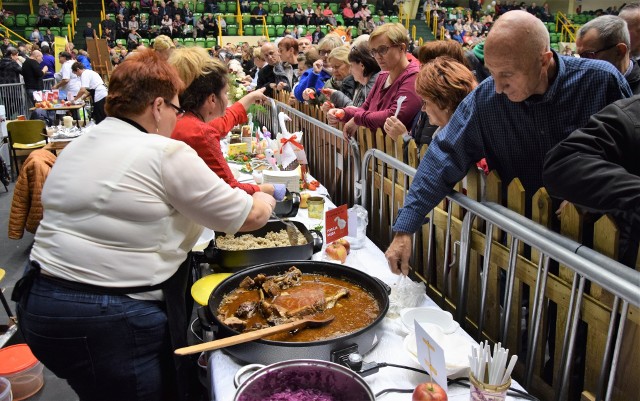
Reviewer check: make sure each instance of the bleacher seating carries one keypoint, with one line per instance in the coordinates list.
(211, 42)
(22, 20)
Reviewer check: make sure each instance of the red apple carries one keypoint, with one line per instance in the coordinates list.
(429, 392)
(336, 251)
(345, 244)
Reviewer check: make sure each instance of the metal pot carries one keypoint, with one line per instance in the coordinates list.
(288, 207)
(238, 260)
(304, 374)
(268, 352)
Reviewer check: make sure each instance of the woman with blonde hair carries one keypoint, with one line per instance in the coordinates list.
(163, 45)
(322, 74)
(364, 71)
(388, 44)
(339, 67)
(207, 118)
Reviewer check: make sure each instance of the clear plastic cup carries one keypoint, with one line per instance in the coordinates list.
(488, 392)
(5, 390)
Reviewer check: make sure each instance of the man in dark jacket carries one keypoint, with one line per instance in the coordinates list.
(33, 73)
(260, 10)
(9, 68)
(597, 167)
(266, 75)
(10, 74)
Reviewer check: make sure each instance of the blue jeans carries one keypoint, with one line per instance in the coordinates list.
(107, 347)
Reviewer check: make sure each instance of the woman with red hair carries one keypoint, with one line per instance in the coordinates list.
(103, 303)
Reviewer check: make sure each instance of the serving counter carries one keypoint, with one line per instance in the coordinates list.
(390, 347)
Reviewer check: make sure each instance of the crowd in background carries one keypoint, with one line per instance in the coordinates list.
(536, 116)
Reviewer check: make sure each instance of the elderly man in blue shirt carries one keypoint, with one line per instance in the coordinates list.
(533, 100)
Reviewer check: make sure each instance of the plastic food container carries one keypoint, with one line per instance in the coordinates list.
(23, 370)
(5, 390)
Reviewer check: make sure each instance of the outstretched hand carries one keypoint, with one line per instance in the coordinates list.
(399, 252)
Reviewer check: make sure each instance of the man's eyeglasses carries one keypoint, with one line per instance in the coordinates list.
(595, 53)
(179, 110)
(382, 50)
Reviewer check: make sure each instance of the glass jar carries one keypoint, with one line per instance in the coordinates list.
(315, 206)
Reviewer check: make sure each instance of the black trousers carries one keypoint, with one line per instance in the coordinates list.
(98, 113)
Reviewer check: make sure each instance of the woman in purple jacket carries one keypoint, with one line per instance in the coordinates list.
(388, 44)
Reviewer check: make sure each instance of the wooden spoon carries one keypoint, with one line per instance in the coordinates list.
(255, 335)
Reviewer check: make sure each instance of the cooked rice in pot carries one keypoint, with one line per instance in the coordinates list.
(273, 239)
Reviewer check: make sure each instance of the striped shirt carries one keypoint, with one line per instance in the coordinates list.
(513, 137)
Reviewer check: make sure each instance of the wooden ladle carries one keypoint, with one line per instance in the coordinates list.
(255, 335)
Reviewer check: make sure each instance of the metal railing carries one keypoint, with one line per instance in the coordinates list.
(14, 99)
(586, 264)
(9, 32)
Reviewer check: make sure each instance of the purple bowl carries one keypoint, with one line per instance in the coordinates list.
(300, 376)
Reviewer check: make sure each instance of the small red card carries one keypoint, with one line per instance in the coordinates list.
(336, 223)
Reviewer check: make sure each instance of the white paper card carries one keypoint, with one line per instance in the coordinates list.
(431, 356)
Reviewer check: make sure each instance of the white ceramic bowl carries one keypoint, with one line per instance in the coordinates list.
(438, 317)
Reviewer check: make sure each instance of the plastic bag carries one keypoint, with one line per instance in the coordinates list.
(405, 293)
(358, 236)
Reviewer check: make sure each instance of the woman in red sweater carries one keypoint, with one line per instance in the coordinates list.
(388, 44)
(207, 117)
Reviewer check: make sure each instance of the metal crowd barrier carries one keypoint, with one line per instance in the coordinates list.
(505, 277)
(14, 99)
(48, 83)
(622, 281)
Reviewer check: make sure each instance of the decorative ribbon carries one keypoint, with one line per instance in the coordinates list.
(291, 140)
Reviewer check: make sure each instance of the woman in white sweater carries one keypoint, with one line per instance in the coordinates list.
(103, 302)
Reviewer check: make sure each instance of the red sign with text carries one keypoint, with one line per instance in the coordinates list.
(336, 222)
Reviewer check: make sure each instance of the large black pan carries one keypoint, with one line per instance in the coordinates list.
(238, 260)
(268, 352)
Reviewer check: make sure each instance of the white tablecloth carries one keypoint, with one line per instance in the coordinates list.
(390, 348)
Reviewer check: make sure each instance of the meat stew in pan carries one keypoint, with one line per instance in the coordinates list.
(265, 301)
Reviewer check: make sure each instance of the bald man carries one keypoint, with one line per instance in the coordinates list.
(533, 100)
(267, 77)
(33, 74)
(606, 38)
(631, 14)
